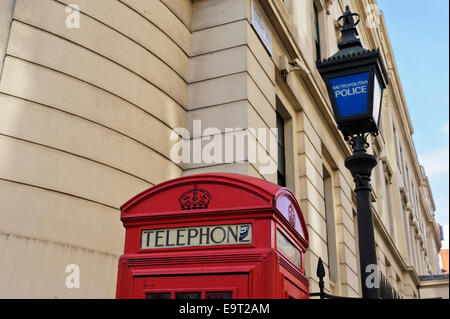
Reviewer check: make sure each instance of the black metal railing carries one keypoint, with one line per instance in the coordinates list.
(322, 294)
(386, 290)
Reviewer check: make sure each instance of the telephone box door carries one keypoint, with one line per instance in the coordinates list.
(208, 286)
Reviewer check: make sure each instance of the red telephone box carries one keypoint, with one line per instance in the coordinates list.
(213, 236)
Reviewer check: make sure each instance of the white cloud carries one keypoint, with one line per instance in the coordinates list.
(435, 162)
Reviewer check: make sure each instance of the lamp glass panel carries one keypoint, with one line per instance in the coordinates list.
(377, 94)
(351, 93)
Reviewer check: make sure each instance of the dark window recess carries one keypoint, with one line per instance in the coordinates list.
(188, 295)
(281, 152)
(219, 295)
(158, 295)
(386, 290)
(317, 33)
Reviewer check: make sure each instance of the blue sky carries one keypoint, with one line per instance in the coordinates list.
(420, 39)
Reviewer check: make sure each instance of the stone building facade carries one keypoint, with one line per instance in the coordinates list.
(91, 92)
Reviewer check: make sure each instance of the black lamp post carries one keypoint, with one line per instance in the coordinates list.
(355, 80)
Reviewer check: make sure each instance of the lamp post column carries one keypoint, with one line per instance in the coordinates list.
(360, 165)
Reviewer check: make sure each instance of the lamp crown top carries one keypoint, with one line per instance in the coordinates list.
(348, 18)
(349, 32)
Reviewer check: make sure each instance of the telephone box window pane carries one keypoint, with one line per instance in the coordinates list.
(188, 295)
(158, 296)
(219, 295)
(285, 246)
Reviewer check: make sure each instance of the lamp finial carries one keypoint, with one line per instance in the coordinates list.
(349, 31)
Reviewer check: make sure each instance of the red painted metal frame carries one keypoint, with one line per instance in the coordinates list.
(235, 199)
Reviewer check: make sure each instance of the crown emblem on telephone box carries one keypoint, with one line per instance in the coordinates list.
(195, 199)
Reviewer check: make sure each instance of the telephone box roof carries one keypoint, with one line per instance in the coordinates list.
(213, 192)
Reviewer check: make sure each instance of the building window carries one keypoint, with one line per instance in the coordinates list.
(389, 211)
(402, 164)
(330, 223)
(408, 182)
(405, 220)
(396, 146)
(413, 246)
(281, 152)
(317, 32)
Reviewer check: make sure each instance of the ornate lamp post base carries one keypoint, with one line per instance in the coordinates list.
(360, 165)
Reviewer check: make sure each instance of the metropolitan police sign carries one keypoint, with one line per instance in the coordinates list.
(351, 93)
(355, 78)
(216, 235)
